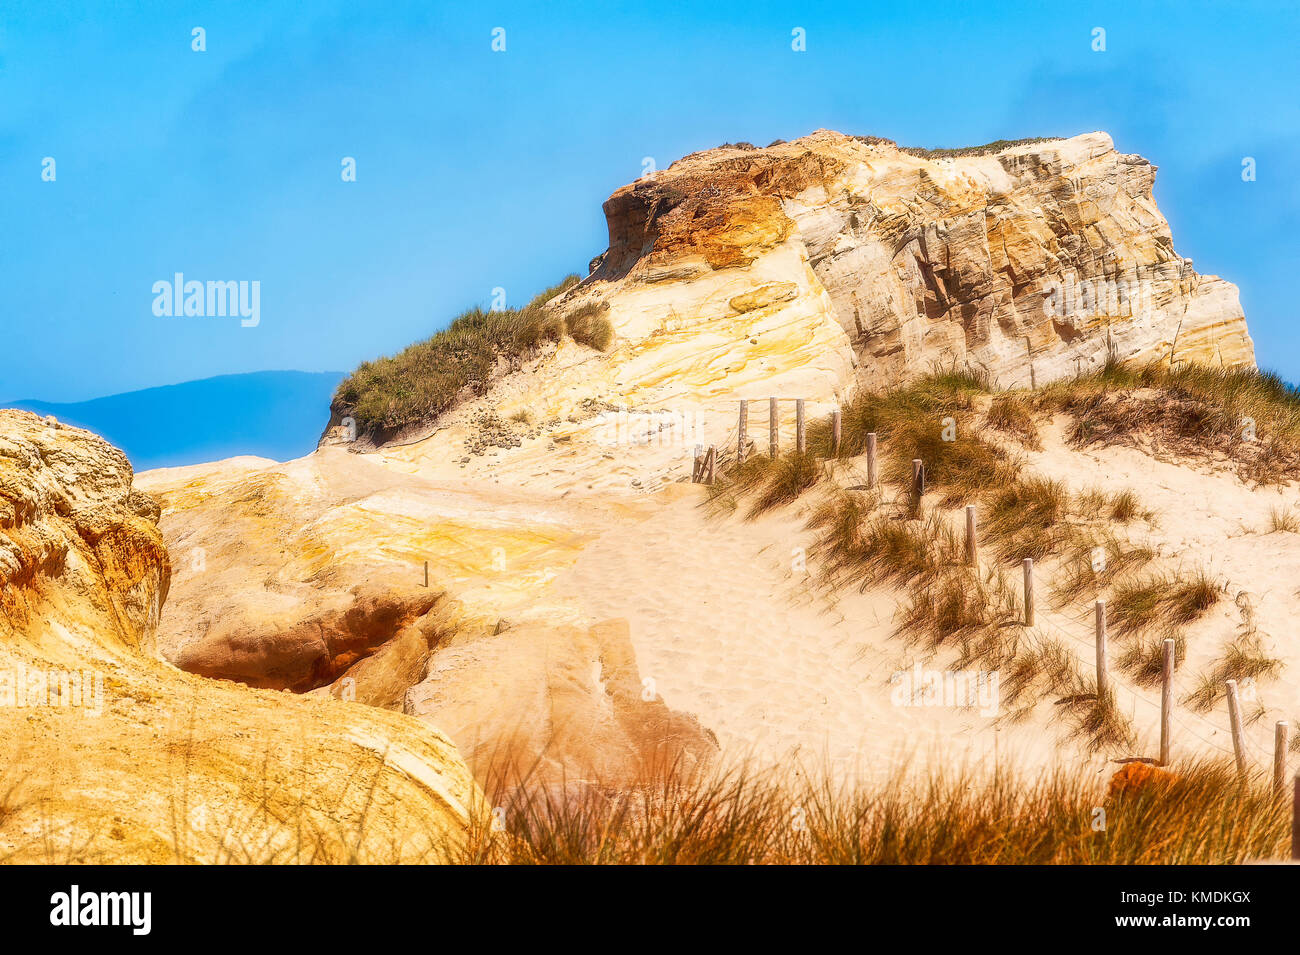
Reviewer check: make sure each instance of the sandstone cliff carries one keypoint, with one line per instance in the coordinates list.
(113, 755)
(1032, 262)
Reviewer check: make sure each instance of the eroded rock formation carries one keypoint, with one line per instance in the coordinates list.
(310, 575)
(1032, 262)
(113, 755)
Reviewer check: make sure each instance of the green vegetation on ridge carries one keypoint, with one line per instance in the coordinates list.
(426, 379)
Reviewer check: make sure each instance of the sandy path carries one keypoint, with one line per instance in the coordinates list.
(732, 632)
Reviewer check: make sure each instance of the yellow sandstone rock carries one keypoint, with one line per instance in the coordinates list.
(116, 756)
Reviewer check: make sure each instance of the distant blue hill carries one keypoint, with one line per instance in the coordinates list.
(272, 414)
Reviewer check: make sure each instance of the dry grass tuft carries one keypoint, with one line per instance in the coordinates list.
(1014, 415)
(1162, 602)
(1144, 661)
(786, 479)
(1243, 659)
(1039, 667)
(1283, 519)
(1125, 507)
(1095, 562)
(867, 544)
(1027, 518)
(771, 483)
(963, 608)
(1099, 720)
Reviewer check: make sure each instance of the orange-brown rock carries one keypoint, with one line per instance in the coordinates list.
(315, 648)
(1132, 779)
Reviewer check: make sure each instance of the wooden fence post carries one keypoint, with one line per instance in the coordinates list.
(1234, 718)
(743, 427)
(710, 462)
(1167, 703)
(426, 573)
(1028, 563)
(800, 427)
(918, 477)
(871, 460)
(773, 429)
(835, 433)
(1295, 820)
(972, 542)
(1103, 667)
(1281, 737)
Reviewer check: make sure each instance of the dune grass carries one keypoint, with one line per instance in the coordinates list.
(961, 607)
(865, 544)
(1144, 659)
(770, 483)
(1094, 562)
(1200, 814)
(1164, 601)
(1097, 719)
(1243, 659)
(934, 419)
(1283, 519)
(1124, 507)
(1152, 608)
(1037, 667)
(977, 613)
(1250, 417)
(427, 378)
(1028, 518)
(885, 537)
(1013, 414)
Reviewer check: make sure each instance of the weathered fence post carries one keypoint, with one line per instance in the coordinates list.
(773, 429)
(871, 460)
(743, 427)
(800, 427)
(1234, 718)
(835, 433)
(1167, 703)
(1281, 735)
(1295, 820)
(710, 462)
(972, 542)
(426, 573)
(1028, 563)
(918, 477)
(1103, 667)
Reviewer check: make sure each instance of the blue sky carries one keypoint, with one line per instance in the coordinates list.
(478, 169)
